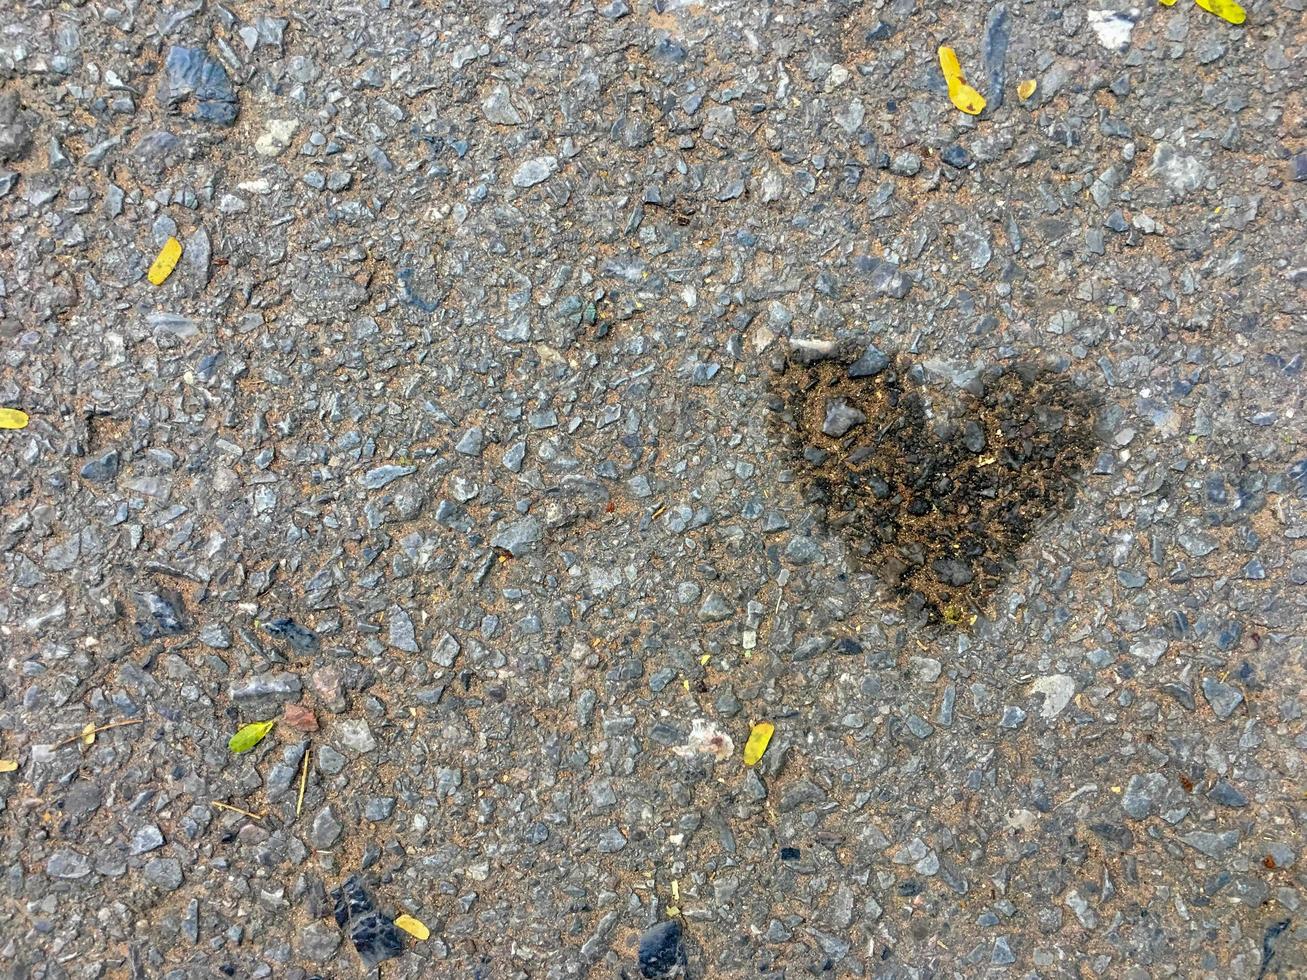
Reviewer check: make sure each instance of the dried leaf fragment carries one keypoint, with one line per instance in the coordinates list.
(165, 262)
(963, 96)
(1225, 9)
(1027, 88)
(12, 418)
(8, 765)
(957, 616)
(88, 733)
(759, 737)
(414, 927)
(250, 735)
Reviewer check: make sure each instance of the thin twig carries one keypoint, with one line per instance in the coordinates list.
(304, 778)
(235, 809)
(96, 731)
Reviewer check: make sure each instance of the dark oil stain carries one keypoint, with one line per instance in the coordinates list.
(934, 490)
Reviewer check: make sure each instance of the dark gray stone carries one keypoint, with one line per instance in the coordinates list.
(164, 873)
(101, 468)
(840, 418)
(191, 76)
(373, 934)
(1222, 697)
(1143, 795)
(662, 952)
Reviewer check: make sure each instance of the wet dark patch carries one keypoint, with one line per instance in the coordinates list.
(934, 488)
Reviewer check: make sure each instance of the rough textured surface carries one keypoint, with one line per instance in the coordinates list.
(451, 428)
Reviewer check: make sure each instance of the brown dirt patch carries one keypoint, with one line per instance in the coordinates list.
(935, 490)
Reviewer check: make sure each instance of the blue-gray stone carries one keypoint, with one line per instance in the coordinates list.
(160, 614)
(1002, 954)
(189, 73)
(519, 537)
(1013, 717)
(1222, 697)
(471, 442)
(997, 35)
(1226, 794)
(662, 951)
(375, 479)
(164, 873)
(957, 156)
(840, 418)
(870, 364)
(147, 838)
(886, 277)
(1143, 794)
(1211, 844)
(101, 468)
(301, 638)
(402, 634)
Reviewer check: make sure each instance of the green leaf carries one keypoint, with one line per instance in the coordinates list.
(250, 736)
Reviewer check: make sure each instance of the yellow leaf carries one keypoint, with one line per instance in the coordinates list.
(8, 765)
(759, 736)
(88, 733)
(1225, 9)
(413, 927)
(166, 262)
(12, 418)
(1027, 88)
(1167, 3)
(962, 95)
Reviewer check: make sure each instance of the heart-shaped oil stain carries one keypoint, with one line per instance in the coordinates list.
(935, 492)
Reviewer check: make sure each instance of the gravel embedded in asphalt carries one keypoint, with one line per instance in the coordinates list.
(449, 445)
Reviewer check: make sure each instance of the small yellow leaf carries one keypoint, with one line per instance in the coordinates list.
(703, 660)
(166, 262)
(1225, 9)
(8, 765)
(413, 927)
(963, 96)
(12, 418)
(88, 733)
(1027, 88)
(250, 735)
(1167, 3)
(759, 736)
